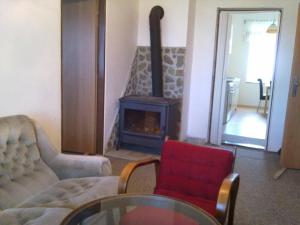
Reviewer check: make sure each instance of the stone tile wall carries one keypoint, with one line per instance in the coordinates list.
(140, 81)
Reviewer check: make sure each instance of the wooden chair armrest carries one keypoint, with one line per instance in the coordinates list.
(130, 168)
(226, 198)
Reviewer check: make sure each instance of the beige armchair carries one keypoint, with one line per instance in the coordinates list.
(37, 182)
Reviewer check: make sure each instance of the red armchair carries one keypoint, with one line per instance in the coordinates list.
(200, 175)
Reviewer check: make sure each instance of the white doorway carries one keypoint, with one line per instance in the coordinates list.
(245, 66)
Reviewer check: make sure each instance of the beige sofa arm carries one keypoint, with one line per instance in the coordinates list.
(70, 166)
(75, 166)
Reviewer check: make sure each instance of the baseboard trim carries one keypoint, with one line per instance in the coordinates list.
(247, 106)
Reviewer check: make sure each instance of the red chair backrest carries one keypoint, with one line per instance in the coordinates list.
(193, 170)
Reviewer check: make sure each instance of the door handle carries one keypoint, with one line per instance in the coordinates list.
(295, 86)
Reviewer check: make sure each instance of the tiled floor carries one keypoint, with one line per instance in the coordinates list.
(246, 126)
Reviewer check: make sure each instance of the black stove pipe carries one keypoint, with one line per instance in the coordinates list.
(156, 15)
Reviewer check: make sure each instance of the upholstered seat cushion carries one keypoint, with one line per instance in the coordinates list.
(33, 216)
(193, 170)
(208, 205)
(15, 191)
(72, 193)
(193, 173)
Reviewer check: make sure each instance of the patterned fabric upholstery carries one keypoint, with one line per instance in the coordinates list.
(22, 172)
(72, 193)
(193, 173)
(31, 191)
(33, 216)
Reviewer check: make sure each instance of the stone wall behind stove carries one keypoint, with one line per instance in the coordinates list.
(140, 81)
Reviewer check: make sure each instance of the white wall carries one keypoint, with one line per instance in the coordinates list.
(204, 44)
(188, 69)
(121, 40)
(30, 62)
(173, 24)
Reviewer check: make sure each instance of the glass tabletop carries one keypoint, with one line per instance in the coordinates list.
(132, 209)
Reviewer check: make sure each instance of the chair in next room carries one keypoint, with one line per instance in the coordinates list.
(262, 97)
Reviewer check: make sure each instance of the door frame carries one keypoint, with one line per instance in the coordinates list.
(100, 73)
(219, 10)
(101, 78)
(289, 156)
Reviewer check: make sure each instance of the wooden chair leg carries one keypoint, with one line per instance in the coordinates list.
(258, 106)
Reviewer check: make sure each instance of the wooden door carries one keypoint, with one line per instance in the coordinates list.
(290, 156)
(80, 26)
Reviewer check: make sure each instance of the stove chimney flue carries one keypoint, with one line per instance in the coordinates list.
(156, 15)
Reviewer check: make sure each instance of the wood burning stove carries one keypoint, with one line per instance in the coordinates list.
(145, 121)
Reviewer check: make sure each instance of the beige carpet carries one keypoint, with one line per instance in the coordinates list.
(261, 200)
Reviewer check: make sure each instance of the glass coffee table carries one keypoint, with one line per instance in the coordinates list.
(132, 209)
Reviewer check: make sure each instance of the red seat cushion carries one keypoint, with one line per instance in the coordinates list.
(207, 205)
(147, 215)
(193, 173)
